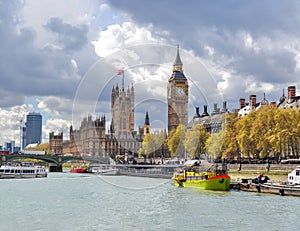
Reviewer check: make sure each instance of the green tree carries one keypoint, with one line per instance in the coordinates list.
(230, 143)
(151, 143)
(195, 140)
(175, 141)
(262, 128)
(243, 126)
(214, 144)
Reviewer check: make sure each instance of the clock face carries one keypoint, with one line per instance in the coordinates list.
(180, 91)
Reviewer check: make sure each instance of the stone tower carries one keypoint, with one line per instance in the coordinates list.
(177, 96)
(55, 143)
(147, 124)
(122, 110)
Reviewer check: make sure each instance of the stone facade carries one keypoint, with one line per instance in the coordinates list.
(55, 143)
(178, 92)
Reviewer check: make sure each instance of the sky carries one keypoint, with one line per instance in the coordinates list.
(60, 58)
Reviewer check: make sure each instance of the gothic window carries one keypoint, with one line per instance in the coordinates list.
(124, 123)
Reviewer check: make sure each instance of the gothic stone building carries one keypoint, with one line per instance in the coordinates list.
(55, 143)
(91, 137)
(178, 91)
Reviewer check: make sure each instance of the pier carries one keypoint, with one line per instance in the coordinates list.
(270, 188)
(155, 171)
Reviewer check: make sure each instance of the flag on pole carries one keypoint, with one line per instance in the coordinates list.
(120, 72)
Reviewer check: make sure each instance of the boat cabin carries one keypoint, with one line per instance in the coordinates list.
(294, 176)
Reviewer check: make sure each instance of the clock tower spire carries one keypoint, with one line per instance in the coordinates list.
(177, 95)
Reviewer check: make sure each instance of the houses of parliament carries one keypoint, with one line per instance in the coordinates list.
(92, 138)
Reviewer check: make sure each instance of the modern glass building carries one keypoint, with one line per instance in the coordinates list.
(33, 128)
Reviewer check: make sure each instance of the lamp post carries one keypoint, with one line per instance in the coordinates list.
(20, 135)
(240, 156)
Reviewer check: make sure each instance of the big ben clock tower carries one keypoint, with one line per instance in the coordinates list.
(177, 96)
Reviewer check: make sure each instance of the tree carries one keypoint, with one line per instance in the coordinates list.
(151, 143)
(145, 148)
(262, 128)
(44, 147)
(175, 141)
(230, 144)
(195, 140)
(214, 144)
(243, 126)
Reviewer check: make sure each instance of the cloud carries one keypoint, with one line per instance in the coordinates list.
(10, 122)
(48, 48)
(56, 126)
(118, 36)
(70, 37)
(250, 39)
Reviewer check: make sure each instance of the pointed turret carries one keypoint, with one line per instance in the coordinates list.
(264, 101)
(147, 121)
(177, 66)
(147, 124)
(282, 98)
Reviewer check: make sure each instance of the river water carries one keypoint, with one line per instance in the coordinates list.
(65, 201)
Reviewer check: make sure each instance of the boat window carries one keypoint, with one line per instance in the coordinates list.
(7, 170)
(297, 172)
(1, 170)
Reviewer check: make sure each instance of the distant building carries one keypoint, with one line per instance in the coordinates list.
(178, 94)
(122, 110)
(33, 128)
(91, 137)
(56, 143)
(212, 123)
(292, 101)
(147, 124)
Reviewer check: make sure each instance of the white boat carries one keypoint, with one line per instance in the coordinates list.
(294, 176)
(104, 170)
(22, 170)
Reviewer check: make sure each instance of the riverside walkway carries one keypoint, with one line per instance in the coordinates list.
(166, 171)
(155, 171)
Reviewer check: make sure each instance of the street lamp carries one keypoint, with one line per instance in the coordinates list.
(21, 135)
(240, 156)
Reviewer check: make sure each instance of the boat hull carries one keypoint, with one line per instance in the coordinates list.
(78, 170)
(219, 183)
(106, 172)
(22, 170)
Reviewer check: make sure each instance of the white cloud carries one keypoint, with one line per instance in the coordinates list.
(56, 126)
(10, 122)
(116, 37)
(250, 43)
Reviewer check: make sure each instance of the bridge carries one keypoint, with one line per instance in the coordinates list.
(55, 161)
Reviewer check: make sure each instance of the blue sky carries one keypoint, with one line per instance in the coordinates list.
(231, 48)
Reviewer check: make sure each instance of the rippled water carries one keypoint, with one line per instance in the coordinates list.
(65, 201)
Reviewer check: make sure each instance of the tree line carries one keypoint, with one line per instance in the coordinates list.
(263, 133)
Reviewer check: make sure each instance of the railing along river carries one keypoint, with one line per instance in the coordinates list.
(157, 171)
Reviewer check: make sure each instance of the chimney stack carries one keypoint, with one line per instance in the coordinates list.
(242, 103)
(252, 100)
(224, 109)
(273, 104)
(197, 115)
(291, 92)
(205, 113)
(216, 109)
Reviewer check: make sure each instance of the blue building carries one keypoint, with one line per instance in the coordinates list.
(33, 128)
